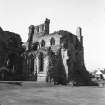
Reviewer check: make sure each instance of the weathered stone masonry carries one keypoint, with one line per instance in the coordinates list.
(69, 45)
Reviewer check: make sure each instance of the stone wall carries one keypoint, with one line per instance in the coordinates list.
(63, 52)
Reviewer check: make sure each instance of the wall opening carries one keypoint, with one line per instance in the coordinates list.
(52, 41)
(41, 62)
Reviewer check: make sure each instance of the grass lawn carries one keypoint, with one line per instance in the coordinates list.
(31, 93)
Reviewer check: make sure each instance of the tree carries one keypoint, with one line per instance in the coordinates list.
(11, 49)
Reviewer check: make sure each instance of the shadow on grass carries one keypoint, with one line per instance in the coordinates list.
(12, 82)
(16, 83)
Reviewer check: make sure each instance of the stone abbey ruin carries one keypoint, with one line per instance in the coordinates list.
(52, 57)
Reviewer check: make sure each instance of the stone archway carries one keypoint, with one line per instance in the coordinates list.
(3, 73)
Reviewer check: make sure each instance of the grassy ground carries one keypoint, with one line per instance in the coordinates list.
(31, 93)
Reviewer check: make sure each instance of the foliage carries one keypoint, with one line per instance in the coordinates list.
(11, 49)
(56, 69)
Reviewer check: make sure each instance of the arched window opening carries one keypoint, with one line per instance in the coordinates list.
(43, 43)
(41, 64)
(52, 41)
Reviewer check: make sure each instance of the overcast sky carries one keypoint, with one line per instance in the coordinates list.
(17, 15)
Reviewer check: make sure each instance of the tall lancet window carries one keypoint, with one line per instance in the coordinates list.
(52, 41)
(43, 43)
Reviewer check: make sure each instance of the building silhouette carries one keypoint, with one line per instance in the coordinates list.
(52, 57)
(42, 45)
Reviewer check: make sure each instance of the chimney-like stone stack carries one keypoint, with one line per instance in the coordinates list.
(31, 32)
(79, 35)
(30, 35)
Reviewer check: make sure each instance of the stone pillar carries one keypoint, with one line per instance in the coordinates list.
(79, 34)
(65, 58)
(46, 63)
(37, 64)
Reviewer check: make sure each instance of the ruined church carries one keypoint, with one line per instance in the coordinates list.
(52, 55)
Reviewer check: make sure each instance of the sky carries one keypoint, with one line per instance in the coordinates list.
(17, 15)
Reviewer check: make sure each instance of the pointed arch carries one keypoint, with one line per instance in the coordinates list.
(52, 41)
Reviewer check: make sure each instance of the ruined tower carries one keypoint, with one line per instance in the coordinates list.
(37, 31)
(30, 35)
(80, 38)
(79, 34)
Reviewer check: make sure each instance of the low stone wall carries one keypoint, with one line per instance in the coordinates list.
(41, 77)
